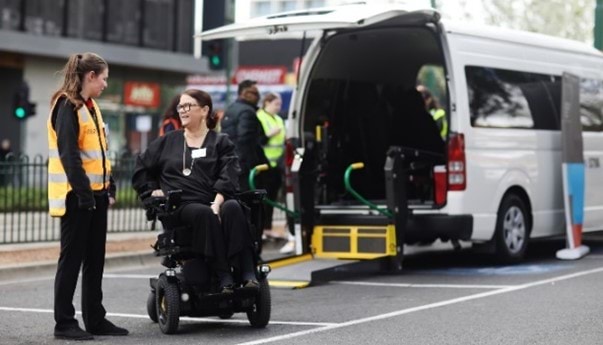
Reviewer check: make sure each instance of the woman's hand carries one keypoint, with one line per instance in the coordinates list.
(157, 192)
(111, 201)
(215, 207)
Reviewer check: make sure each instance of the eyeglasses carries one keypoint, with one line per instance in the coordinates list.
(183, 108)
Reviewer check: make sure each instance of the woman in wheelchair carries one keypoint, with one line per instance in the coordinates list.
(203, 165)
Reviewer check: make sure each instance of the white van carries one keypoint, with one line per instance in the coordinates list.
(501, 90)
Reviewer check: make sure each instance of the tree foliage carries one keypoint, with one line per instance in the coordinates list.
(568, 19)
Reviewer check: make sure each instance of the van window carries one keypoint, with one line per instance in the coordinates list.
(500, 98)
(591, 105)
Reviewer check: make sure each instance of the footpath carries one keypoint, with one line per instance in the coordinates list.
(123, 249)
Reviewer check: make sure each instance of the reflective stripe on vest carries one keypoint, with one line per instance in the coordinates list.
(275, 147)
(439, 116)
(92, 144)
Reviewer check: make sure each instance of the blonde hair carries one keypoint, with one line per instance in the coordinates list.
(269, 97)
(74, 71)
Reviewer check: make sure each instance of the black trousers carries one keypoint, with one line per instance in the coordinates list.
(220, 240)
(270, 180)
(83, 238)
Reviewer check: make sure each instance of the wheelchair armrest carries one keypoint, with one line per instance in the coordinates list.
(252, 196)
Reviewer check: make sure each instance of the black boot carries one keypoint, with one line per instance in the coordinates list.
(72, 333)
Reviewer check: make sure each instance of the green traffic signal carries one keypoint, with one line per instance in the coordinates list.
(215, 61)
(20, 112)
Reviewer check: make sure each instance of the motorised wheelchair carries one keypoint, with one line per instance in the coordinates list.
(188, 287)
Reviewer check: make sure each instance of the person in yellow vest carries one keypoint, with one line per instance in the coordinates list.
(273, 145)
(80, 190)
(437, 113)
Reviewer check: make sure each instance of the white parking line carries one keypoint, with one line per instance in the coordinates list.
(443, 286)
(423, 307)
(130, 276)
(195, 319)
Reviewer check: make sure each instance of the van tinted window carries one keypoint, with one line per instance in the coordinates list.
(591, 105)
(511, 99)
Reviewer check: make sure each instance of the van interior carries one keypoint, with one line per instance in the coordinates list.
(362, 95)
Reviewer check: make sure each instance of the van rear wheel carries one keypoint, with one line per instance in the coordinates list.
(512, 230)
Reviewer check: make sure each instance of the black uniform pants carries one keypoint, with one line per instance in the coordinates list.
(220, 240)
(83, 238)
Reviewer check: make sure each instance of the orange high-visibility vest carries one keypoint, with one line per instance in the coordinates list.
(92, 142)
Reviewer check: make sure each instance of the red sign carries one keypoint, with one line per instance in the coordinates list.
(264, 75)
(142, 94)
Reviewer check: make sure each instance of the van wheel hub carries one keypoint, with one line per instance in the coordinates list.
(514, 229)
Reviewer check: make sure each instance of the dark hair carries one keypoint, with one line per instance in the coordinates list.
(269, 97)
(204, 99)
(171, 112)
(432, 103)
(74, 71)
(245, 84)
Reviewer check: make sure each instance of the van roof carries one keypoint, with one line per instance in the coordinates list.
(313, 21)
(518, 36)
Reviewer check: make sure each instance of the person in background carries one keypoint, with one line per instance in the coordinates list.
(437, 113)
(273, 127)
(80, 190)
(5, 150)
(245, 131)
(203, 164)
(171, 120)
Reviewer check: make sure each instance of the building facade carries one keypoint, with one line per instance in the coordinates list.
(147, 43)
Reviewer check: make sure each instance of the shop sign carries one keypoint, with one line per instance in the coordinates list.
(264, 75)
(142, 94)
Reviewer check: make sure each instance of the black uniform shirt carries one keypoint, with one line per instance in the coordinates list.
(160, 167)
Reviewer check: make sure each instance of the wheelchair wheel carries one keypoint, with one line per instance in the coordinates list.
(168, 305)
(152, 306)
(259, 315)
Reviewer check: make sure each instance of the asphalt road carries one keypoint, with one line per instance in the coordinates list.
(441, 298)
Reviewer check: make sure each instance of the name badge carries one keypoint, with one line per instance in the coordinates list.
(198, 153)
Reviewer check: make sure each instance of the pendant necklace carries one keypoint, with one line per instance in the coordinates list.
(186, 171)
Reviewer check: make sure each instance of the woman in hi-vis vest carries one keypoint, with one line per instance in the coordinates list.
(80, 190)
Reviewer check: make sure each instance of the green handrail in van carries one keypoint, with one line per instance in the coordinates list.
(348, 187)
(251, 179)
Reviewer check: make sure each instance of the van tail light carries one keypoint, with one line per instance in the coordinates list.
(457, 167)
(440, 190)
(289, 155)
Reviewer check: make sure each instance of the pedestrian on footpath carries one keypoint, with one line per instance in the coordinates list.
(244, 130)
(80, 190)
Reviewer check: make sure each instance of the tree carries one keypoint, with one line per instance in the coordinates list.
(568, 19)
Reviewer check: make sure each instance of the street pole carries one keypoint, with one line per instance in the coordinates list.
(599, 25)
(433, 3)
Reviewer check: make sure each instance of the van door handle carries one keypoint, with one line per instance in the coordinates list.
(593, 162)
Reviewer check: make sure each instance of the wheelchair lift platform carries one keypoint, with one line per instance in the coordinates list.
(339, 251)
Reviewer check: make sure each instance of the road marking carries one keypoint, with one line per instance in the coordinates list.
(130, 276)
(421, 308)
(443, 286)
(184, 318)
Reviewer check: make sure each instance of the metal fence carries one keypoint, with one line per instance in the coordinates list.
(24, 201)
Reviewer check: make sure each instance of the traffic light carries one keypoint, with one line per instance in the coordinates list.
(216, 54)
(22, 107)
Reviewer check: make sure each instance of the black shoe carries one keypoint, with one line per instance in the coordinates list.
(252, 283)
(72, 333)
(106, 327)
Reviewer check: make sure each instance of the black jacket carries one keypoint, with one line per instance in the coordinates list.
(241, 124)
